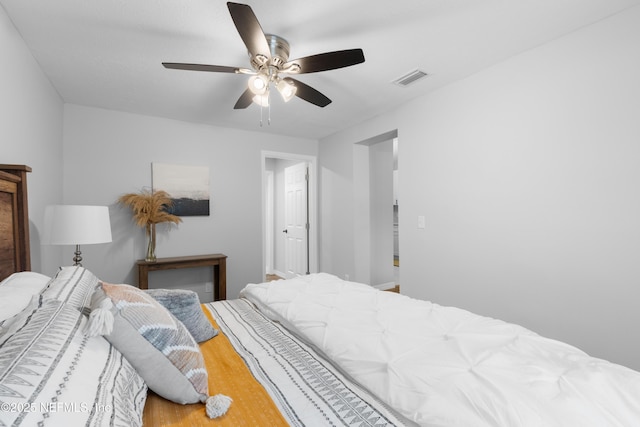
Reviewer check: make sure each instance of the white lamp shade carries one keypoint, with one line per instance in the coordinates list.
(262, 100)
(286, 89)
(76, 225)
(259, 84)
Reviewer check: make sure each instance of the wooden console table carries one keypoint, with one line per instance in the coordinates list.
(217, 261)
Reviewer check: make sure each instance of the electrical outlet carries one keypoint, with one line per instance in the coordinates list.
(208, 287)
(422, 223)
(346, 277)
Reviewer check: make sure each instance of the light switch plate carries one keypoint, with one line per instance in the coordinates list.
(422, 223)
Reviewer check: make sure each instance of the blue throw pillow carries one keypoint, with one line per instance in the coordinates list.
(185, 306)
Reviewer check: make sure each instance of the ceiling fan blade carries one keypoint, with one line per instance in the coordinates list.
(308, 93)
(201, 67)
(326, 61)
(249, 29)
(244, 101)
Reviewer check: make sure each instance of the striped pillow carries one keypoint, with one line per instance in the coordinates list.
(74, 286)
(157, 344)
(52, 374)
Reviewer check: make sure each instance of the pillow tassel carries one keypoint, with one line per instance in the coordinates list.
(217, 405)
(100, 319)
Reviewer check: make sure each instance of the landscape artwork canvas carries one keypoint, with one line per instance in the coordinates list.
(188, 187)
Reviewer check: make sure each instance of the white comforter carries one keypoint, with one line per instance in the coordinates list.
(443, 366)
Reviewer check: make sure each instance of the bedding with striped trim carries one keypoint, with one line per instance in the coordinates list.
(51, 374)
(307, 388)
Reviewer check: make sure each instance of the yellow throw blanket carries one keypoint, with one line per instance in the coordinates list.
(228, 375)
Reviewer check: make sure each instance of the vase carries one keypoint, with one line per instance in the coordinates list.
(151, 243)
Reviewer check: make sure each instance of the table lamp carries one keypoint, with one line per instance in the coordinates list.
(76, 225)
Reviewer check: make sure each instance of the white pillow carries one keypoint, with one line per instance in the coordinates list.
(13, 301)
(27, 280)
(17, 290)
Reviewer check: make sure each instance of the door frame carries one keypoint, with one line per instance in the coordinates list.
(364, 244)
(269, 221)
(313, 204)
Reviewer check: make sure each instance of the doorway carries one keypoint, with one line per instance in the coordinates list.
(376, 207)
(289, 215)
(396, 217)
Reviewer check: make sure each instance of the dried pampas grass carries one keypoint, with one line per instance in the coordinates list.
(149, 207)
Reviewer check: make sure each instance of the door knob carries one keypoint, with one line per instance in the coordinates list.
(285, 231)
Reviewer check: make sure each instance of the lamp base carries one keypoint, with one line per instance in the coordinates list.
(78, 257)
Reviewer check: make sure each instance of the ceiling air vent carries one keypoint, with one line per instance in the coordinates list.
(412, 77)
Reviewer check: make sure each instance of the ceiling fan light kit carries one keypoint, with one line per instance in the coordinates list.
(259, 84)
(286, 89)
(262, 99)
(269, 58)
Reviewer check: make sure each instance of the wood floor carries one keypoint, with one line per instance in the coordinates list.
(395, 289)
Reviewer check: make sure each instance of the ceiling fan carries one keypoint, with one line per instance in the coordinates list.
(270, 64)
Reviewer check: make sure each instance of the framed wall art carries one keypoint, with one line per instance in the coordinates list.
(188, 187)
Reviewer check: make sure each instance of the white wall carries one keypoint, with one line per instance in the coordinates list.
(31, 127)
(527, 174)
(110, 153)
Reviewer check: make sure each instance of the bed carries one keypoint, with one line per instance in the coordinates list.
(311, 351)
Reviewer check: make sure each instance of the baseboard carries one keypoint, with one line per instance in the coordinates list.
(279, 273)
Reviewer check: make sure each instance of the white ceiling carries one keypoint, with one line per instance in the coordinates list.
(108, 53)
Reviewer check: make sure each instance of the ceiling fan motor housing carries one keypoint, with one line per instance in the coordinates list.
(279, 49)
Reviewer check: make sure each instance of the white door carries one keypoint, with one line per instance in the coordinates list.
(296, 219)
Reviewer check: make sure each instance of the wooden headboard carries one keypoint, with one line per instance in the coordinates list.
(14, 220)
